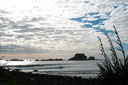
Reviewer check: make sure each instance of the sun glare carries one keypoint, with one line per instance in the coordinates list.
(21, 5)
(20, 9)
(27, 5)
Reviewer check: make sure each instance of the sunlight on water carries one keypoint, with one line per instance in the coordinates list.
(70, 68)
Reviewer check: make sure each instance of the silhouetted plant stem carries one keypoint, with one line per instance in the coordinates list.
(2, 57)
(107, 64)
(114, 55)
(120, 44)
(102, 48)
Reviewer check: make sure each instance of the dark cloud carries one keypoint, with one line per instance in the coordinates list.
(25, 37)
(13, 48)
(37, 19)
(21, 26)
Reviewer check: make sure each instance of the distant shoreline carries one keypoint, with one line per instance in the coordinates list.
(46, 60)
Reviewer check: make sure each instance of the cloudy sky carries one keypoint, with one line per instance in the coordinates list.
(59, 28)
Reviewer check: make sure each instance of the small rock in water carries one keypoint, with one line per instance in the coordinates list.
(35, 70)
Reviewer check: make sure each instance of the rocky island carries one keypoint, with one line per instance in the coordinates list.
(81, 56)
(91, 58)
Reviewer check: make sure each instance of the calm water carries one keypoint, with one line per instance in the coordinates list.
(85, 69)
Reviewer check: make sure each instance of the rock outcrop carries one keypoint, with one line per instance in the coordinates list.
(91, 58)
(79, 56)
(15, 60)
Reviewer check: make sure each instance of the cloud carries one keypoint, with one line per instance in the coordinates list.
(105, 14)
(60, 26)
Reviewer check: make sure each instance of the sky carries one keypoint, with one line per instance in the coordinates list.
(31, 29)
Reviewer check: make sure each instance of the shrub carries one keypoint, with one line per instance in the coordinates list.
(116, 71)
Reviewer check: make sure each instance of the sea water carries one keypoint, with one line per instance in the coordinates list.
(84, 68)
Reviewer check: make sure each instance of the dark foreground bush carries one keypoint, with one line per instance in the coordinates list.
(115, 72)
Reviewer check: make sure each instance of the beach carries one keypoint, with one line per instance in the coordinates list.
(22, 78)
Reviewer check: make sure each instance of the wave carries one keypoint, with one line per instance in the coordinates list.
(77, 68)
(84, 74)
(37, 67)
(72, 72)
(32, 65)
(56, 67)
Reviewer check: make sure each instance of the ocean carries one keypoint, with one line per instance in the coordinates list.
(84, 68)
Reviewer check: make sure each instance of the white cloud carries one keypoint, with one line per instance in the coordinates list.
(118, 11)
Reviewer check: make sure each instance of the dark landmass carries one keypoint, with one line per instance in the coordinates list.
(91, 58)
(81, 56)
(78, 56)
(37, 60)
(15, 60)
(49, 60)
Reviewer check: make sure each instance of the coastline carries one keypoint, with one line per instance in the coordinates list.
(82, 68)
(22, 78)
(18, 77)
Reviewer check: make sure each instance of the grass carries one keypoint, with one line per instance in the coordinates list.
(116, 71)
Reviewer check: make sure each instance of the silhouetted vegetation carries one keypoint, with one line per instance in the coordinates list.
(113, 72)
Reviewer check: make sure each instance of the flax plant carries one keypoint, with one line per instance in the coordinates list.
(116, 68)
